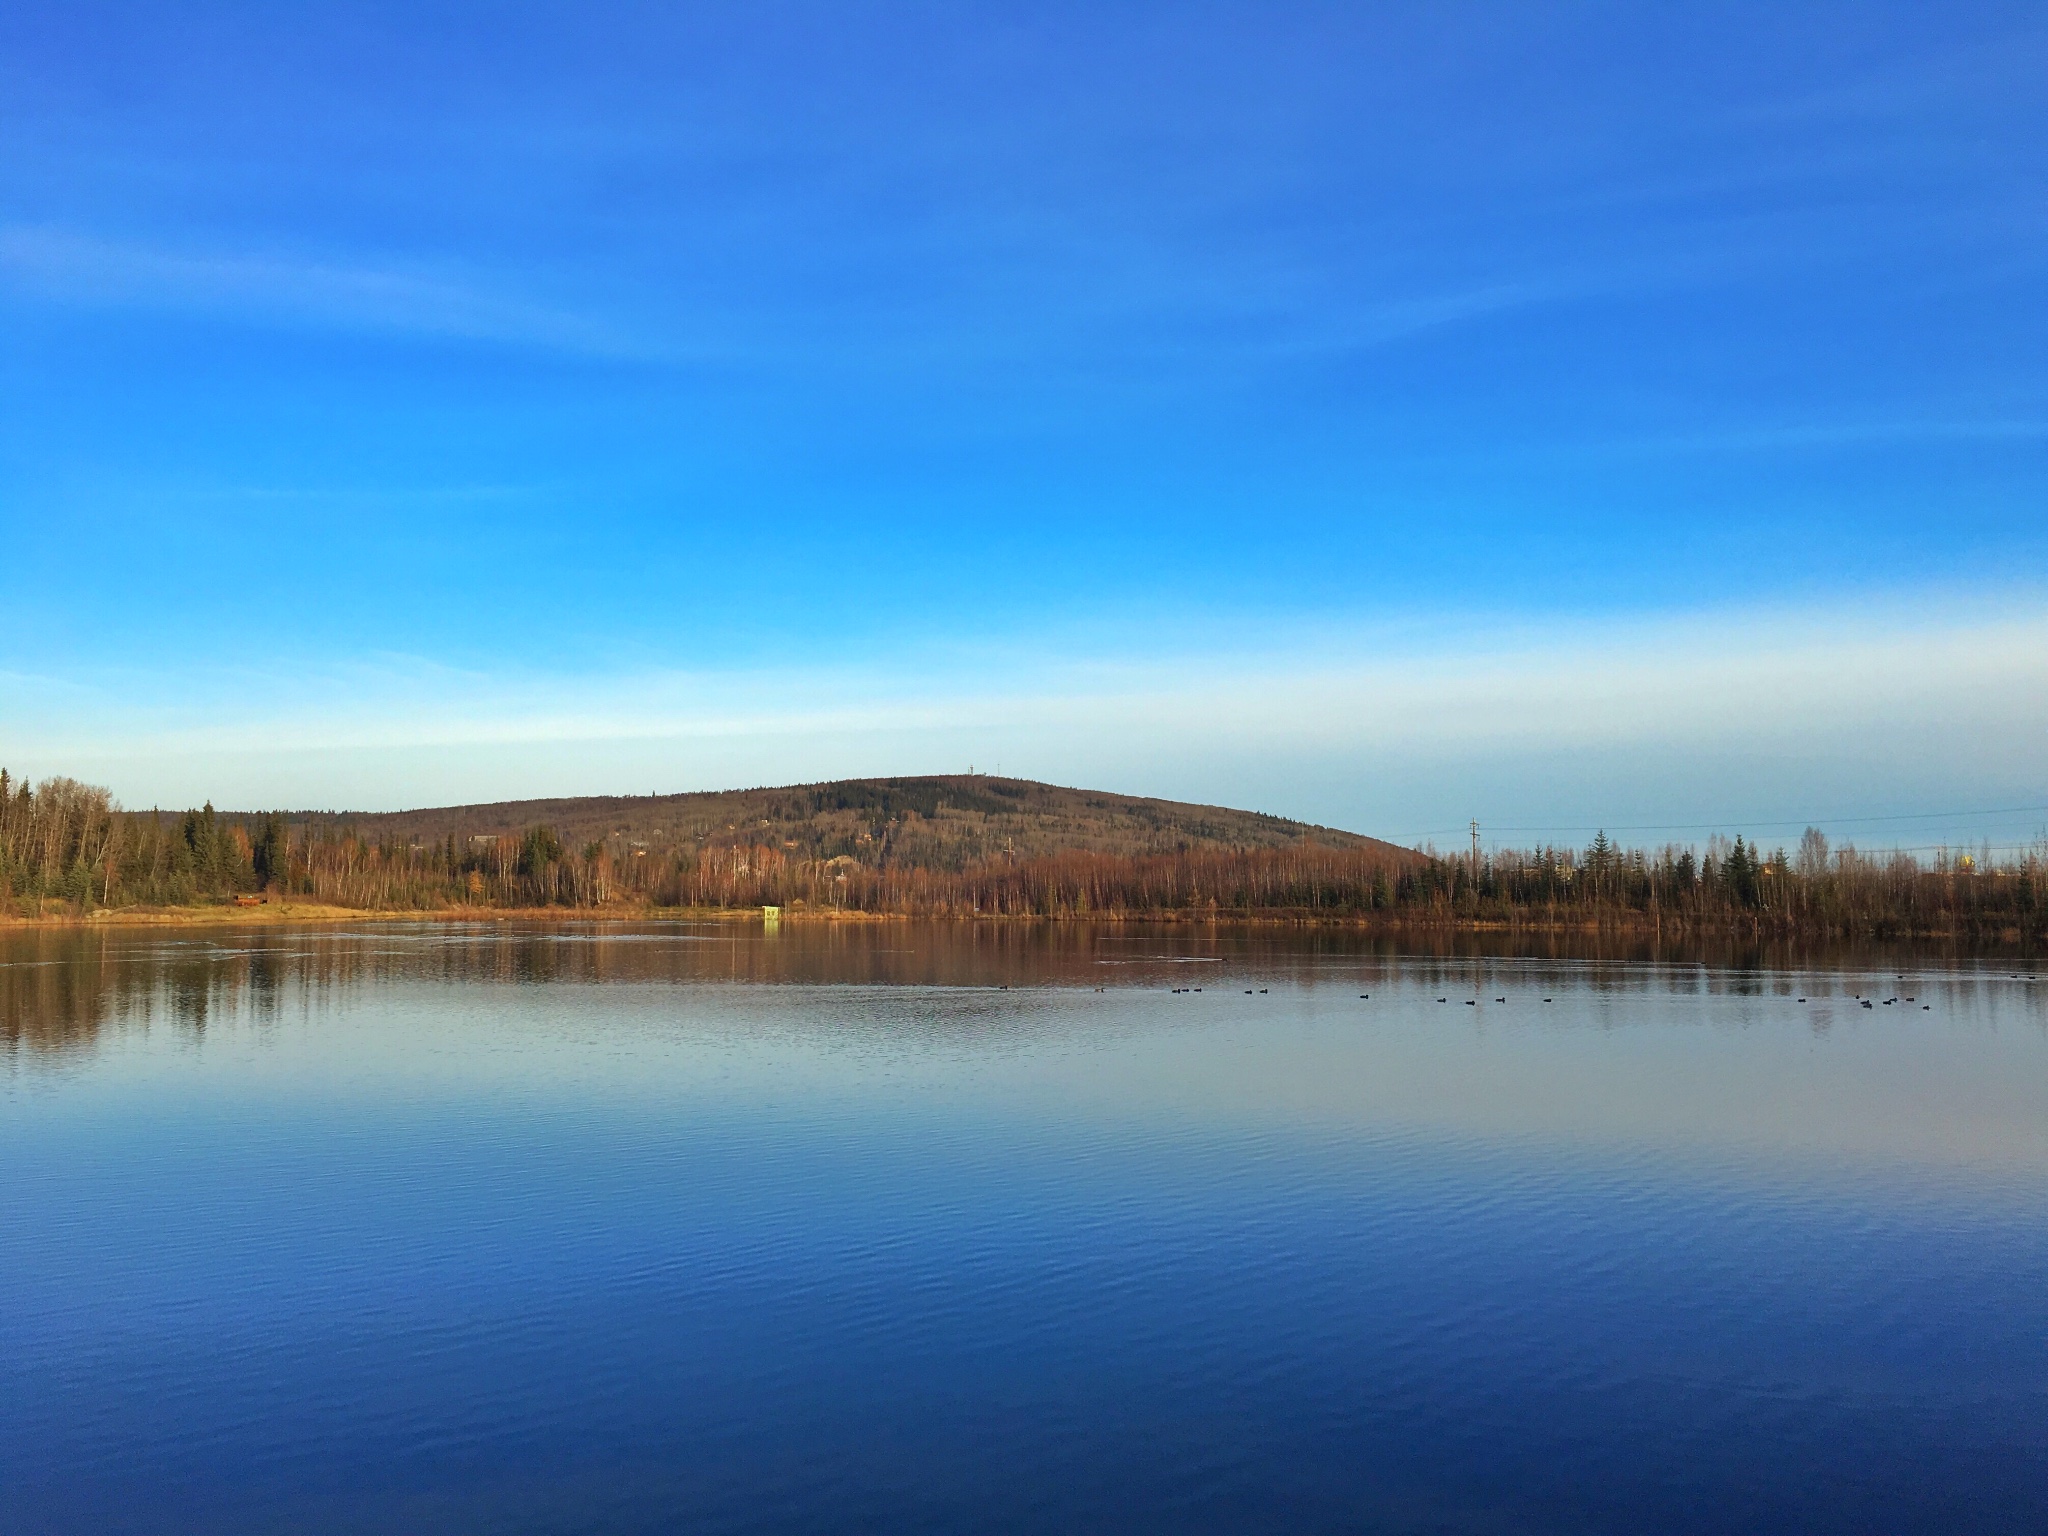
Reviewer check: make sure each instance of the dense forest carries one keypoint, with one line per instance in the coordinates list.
(66, 847)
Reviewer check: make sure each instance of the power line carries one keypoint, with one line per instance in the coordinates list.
(1744, 822)
(1961, 848)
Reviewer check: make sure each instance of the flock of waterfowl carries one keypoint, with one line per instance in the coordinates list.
(1473, 1002)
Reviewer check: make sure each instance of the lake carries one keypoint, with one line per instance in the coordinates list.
(903, 1227)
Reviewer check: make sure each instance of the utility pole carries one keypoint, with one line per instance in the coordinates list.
(1475, 850)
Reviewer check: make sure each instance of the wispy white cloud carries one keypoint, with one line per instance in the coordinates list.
(1866, 707)
(1841, 434)
(1004, 306)
(73, 268)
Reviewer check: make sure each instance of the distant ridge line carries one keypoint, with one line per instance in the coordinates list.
(943, 819)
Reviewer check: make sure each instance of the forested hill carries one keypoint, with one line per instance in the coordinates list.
(937, 823)
(958, 847)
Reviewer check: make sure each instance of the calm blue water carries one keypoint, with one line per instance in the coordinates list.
(703, 1229)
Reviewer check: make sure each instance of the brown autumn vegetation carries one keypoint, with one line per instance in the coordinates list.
(942, 822)
(67, 845)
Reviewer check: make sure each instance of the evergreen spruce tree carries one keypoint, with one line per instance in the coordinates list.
(270, 854)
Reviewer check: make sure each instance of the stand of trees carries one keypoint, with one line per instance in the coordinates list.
(65, 842)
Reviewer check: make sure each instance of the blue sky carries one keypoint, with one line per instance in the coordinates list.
(1553, 414)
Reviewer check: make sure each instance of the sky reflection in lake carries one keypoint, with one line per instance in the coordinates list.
(904, 1227)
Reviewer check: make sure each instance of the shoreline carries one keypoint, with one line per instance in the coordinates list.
(281, 914)
(274, 914)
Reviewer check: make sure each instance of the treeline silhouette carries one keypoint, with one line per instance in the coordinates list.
(66, 843)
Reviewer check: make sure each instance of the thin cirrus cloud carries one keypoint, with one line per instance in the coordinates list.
(1744, 713)
(67, 267)
(62, 266)
(1799, 436)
